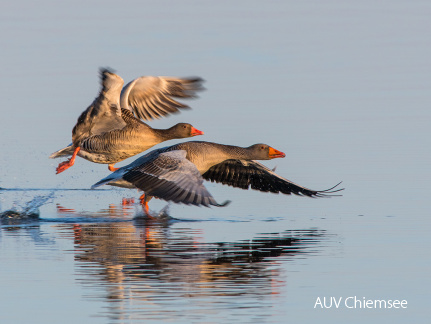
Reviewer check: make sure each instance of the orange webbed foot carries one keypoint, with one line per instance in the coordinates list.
(67, 164)
(63, 166)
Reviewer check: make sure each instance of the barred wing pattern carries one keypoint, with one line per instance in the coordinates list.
(152, 97)
(170, 176)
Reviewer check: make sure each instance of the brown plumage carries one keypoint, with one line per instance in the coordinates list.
(176, 173)
(110, 129)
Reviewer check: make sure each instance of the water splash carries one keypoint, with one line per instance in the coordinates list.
(27, 211)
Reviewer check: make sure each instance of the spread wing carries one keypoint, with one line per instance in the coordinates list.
(252, 174)
(104, 114)
(153, 97)
(170, 176)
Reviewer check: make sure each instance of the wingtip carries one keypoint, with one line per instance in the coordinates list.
(97, 184)
(106, 69)
(194, 79)
(193, 84)
(330, 191)
(106, 73)
(224, 204)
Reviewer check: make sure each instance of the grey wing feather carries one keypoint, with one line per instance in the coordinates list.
(170, 176)
(116, 178)
(254, 175)
(104, 114)
(151, 97)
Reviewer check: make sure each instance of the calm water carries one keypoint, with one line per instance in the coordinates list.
(342, 87)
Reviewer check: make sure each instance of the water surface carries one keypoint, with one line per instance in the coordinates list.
(342, 87)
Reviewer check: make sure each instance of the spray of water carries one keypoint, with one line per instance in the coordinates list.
(27, 210)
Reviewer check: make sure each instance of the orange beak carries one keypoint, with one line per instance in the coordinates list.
(273, 153)
(195, 132)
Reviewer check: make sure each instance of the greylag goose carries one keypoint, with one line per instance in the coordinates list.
(176, 173)
(110, 129)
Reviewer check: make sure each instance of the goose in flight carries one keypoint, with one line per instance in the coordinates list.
(111, 128)
(176, 173)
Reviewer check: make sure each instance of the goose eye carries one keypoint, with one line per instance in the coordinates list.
(262, 147)
(184, 126)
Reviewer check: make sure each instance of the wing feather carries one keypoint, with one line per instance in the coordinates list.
(170, 176)
(254, 175)
(152, 97)
(104, 114)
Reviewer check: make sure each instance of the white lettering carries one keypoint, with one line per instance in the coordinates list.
(324, 302)
(335, 302)
(355, 302)
(369, 303)
(318, 302)
(358, 301)
(380, 303)
(327, 303)
(345, 302)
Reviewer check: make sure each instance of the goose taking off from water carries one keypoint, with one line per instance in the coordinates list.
(110, 129)
(176, 173)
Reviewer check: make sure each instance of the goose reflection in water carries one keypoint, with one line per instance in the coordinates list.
(148, 260)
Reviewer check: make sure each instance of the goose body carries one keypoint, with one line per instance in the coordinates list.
(111, 130)
(176, 173)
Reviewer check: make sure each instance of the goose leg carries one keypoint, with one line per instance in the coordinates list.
(67, 164)
(144, 199)
(112, 168)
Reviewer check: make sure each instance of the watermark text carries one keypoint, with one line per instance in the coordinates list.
(357, 302)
